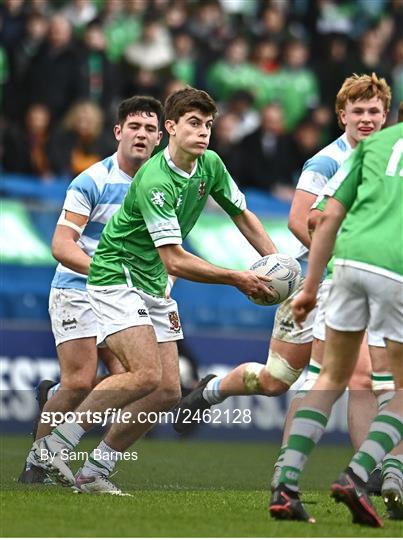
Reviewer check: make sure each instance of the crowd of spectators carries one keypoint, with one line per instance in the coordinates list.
(274, 66)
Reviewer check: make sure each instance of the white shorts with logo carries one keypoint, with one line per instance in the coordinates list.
(121, 307)
(285, 328)
(360, 299)
(71, 315)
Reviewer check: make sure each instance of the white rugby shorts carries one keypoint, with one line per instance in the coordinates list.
(286, 329)
(121, 307)
(71, 315)
(360, 299)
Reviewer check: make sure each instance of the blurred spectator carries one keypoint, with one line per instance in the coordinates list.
(176, 17)
(121, 27)
(154, 49)
(12, 22)
(53, 77)
(20, 58)
(211, 29)
(79, 13)
(368, 57)
(26, 148)
(271, 24)
(397, 74)
(80, 141)
(184, 66)
(265, 56)
(265, 155)
(298, 85)
(100, 76)
(240, 104)
(233, 72)
(306, 141)
(331, 70)
(223, 141)
(41, 7)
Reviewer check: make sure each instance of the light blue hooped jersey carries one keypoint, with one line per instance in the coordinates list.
(98, 193)
(316, 173)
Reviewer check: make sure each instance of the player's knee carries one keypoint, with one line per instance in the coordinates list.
(77, 382)
(331, 379)
(360, 381)
(149, 380)
(278, 374)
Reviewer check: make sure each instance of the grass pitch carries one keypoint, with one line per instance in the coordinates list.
(180, 488)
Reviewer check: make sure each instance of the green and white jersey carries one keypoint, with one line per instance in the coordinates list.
(370, 187)
(160, 208)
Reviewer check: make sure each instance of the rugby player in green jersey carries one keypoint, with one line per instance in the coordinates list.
(365, 199)
(128, 277)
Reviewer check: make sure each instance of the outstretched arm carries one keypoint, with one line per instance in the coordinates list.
(181, 263)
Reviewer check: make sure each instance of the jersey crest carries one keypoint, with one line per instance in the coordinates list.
(158, 198)
(202, 189)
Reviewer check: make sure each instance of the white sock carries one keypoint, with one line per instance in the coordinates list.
(102, 461)
(212, 392)
(67, 435)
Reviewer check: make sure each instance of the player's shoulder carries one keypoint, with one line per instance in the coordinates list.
(211, 161)
(97, 175)
(328, 159)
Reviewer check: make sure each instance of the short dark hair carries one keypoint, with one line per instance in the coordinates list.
(136, 104)
(188, 99)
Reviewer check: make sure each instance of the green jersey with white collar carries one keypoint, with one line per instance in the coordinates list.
(161, 207)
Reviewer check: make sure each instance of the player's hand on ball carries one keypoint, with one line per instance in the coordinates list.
(302, 304)
(253, 284)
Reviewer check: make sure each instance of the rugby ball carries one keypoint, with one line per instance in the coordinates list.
(285, 273)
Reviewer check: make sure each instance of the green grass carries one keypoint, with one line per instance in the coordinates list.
(180, 488)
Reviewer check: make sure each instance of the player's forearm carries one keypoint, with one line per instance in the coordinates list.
(299, 228)
(253, 230)
(188, 266)
(320, 252)
(71, 255)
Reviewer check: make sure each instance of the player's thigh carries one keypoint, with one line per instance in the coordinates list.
(340, 355)
(78, 360)
(112, 363)
(136, 347)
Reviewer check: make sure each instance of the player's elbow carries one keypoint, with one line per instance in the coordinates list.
(294, 225)
(171, 257)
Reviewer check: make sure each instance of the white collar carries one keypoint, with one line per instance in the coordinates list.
(116, 165)
(179, 171)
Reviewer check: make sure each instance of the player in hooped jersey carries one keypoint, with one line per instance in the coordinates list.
(365, 200)
(91, 200)
(128, 274)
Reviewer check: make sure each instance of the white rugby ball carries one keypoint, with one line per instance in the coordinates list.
(285, 273)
